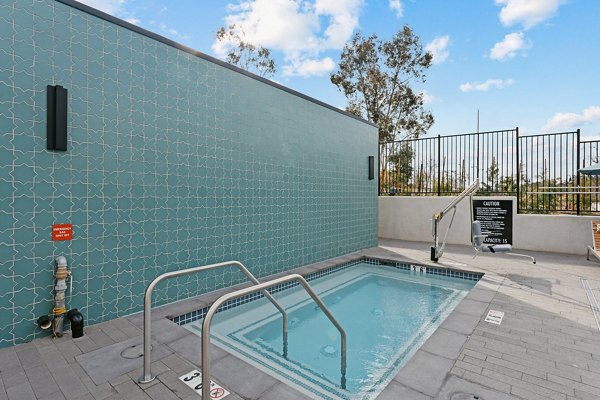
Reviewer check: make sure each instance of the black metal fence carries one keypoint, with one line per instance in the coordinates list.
(540, 170)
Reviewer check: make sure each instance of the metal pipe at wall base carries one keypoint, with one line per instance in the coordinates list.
(60, 274)
(147, 375)
(45, 322)
(58, 311)
(205, 339)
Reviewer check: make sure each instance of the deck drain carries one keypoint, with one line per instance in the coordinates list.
(466, 396)
(133, 352)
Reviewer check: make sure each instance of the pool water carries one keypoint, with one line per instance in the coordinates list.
(387, 314)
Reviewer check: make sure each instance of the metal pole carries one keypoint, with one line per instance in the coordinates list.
(147, 375)
(205, 339)
(478, 151)
(578, 166)
(439, 187)
(379, 169)
(518, 158)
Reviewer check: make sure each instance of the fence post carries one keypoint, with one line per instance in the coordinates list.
(578, 166)
(379, 169)
(439, 187)
(518, 159)
(478, 151)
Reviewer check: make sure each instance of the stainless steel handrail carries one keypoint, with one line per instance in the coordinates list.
(242, 292)
(147, 372)
(436, 249)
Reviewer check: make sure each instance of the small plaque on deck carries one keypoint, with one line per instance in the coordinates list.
(194, 380)
(494, 317)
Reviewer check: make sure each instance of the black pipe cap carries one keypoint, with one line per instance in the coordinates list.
(77, 323)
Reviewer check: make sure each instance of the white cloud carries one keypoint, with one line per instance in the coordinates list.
(133, 21)
(173, 32)
(438, 48)
(343, 19)
(301, 29)
(309, 67)
(278, 25)
(527, 12)
(163, 27)
(485, 86)
(588, 137)
(112, 7)
(573, 120)
(512, 44)
(396, 5)
(428, 98)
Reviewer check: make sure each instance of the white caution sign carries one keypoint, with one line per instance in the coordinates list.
(194, 380)
(494, 317)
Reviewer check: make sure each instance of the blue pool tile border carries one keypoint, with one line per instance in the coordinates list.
(423, 269)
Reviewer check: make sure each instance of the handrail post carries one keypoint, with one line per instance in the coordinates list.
(324, 308)
(205, 338)
(147, 375)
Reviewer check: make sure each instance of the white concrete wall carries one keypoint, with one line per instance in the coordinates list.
(409, 218)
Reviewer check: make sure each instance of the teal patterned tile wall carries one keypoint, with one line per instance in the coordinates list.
(174, 161)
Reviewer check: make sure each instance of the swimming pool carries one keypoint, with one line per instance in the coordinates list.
(387, 311)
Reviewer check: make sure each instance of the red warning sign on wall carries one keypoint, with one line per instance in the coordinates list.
(62, 232)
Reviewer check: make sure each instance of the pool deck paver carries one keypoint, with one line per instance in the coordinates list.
(547, 346)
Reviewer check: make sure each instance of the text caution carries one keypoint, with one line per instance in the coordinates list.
(194, 380)
(62, 232)
(494, 317)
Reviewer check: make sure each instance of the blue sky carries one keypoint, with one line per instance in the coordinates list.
(527, 63)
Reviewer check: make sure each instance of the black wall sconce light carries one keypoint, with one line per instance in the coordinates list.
(56, 124)
(371, 168)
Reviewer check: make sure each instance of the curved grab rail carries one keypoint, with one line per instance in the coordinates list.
(436, 249)
(147, 372)
(242, 292)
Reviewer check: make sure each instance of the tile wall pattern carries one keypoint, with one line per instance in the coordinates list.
(173, 161)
